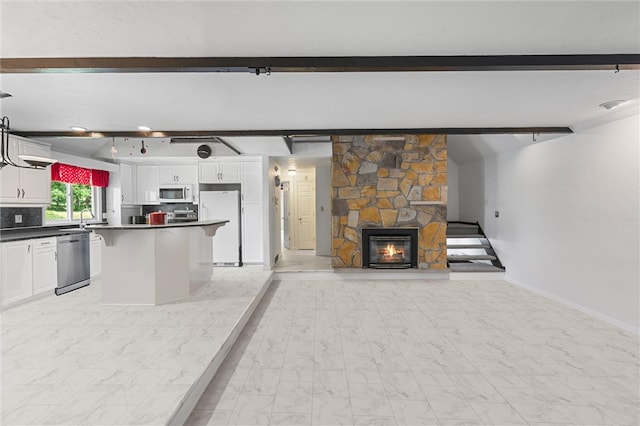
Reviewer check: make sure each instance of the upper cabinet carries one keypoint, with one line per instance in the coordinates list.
(178, 174)
(252, 182)
(147, 180)
(127, 183)
(220, 172)
(25, 185)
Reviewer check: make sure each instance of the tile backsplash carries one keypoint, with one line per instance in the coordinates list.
(20, 217)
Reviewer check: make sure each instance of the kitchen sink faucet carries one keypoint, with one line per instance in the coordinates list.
(82, 224)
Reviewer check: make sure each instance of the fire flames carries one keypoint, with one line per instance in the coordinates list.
(391, 253)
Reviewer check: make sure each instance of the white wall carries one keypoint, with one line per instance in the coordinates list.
(323, 211)
(453, 191)
(569, 217)
(471, 189)
(272, 213)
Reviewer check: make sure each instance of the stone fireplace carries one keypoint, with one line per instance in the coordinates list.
(389, 181)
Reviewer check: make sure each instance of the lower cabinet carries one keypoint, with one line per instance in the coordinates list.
(29, 267)
(17, 271)
(45, 265)
(95, 254)
(252, 233)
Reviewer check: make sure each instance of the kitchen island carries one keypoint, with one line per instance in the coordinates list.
(153, 264)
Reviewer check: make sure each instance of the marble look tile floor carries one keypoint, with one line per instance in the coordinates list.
(70, 360)
(302, 261)
(422, 353)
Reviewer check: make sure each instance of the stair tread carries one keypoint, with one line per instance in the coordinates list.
(468, 246)
(474, 267)
(471, 257)
(465, 236)
(461, 225)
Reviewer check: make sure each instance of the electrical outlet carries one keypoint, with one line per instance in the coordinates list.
(18, 218)
(497, 213)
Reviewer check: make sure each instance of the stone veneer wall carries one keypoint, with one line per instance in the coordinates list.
(389, 181)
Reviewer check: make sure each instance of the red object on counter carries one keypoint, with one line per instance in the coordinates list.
(157, 218)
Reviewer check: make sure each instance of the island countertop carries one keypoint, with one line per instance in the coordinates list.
(154, 264)
(147, 226)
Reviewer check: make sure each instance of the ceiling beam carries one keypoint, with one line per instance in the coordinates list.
(267, 65)
(298, 132)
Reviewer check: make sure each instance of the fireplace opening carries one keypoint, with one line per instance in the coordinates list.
(390, 248)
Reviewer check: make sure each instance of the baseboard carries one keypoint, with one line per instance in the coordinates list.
(617, 323)
(364, 274)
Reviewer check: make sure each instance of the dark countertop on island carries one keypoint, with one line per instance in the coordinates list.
(146, 226)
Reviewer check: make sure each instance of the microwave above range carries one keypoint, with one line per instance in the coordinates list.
(175, 194)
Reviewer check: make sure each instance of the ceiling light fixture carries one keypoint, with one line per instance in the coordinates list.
(612, 104)
(292, 172)
(144, 128)
(78, 129)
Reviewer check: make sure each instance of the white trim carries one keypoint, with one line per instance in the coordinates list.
(591, 312)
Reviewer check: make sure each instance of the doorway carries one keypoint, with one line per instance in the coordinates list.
(298, 211)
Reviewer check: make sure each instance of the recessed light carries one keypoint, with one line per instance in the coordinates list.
(612, 104)
(78, 129)
(144, 128)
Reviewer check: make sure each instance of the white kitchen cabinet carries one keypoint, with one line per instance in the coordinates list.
(127, 183)
(252, 182)
(220, 172)
(17, 271)
(95, 255)
(178, 174)
(147, 184)
(25, 185)
(45, 264)
(252, 250)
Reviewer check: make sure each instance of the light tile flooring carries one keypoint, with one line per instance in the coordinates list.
(302, 261)
(422, 353)
(70, 360)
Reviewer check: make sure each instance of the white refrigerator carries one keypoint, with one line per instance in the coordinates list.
(225, 205)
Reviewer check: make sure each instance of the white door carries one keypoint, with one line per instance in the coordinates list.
(45, 265)
(209, 172)
(147, 179)
(223, 205)
(306, 215)
(252, 182)
(17, 272)
(230, 172)
(167, 175)
(35, 183)
(186, 174)
(286, 215)
(252, 247)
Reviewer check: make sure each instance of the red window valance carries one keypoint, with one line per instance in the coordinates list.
(79, 175)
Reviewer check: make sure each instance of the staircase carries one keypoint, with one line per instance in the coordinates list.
(469, 249)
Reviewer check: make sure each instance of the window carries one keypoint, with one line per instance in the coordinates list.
(74, 190)
(68, 200)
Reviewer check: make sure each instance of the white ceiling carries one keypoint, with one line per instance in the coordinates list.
(201, 101)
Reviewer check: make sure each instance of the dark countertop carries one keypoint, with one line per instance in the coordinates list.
(145, 226)
(7, 235)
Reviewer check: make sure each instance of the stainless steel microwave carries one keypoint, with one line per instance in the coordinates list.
(175, 194)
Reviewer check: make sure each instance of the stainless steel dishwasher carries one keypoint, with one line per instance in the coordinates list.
(73, 262)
